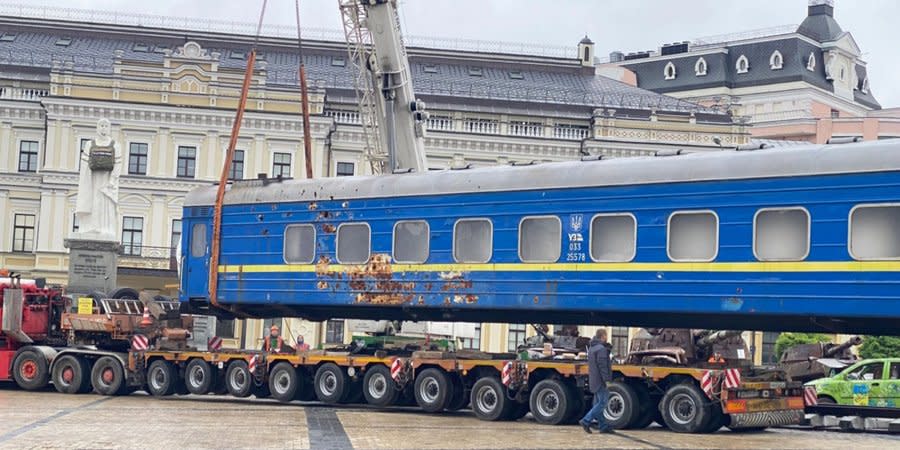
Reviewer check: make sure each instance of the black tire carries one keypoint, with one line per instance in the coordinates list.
(331, 384)
(199, 377)
(824, 400)
(747, 430)
(623, 408)
(489, 400)
(519, 410)
(433, 390)
(578, 404)
(460, 398)
(307, 390)
(378, 387)
(31, 370)
(718, 419)
(684, 409)
(550, 402)
(284, 382)
(108, 376)
(238, 380)
(71, 375)
(649, 409)
(161, 378)
(354, 392)
(125, 293)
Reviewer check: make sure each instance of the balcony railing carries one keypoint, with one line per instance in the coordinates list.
(28, 94)
(147, 257)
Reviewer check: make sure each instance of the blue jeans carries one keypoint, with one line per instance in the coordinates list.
(601, 397)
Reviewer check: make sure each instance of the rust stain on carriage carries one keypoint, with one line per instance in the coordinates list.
(313, 206)
(328, 228)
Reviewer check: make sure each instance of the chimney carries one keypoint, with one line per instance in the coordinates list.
(820, 7)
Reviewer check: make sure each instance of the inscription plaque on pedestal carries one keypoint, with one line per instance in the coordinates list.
(92, 265)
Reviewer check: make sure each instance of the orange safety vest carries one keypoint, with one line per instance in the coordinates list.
(275, 346)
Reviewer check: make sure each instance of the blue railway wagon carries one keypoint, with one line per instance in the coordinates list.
(779, 239)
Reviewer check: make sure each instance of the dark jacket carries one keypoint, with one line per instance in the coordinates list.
(599, 365)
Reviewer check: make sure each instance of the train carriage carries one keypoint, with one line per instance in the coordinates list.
(798, 238)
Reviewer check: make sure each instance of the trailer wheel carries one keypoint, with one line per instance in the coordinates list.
(161, 378)
(31, 370)
(125, 293)
(198, 377)
(71, 375)
(433, 390)
(238, 380)
(623, 406)
(649, 405)
(683, 409)
(717, 418)
(551, 402)
(331, 384)
(578, 404)
(108, 376)
(378, 386)
(519, 410)
(284, 382)
(460, 398)
(489, 400)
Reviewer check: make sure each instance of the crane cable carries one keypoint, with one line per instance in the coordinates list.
(215, 247)
(304, 100)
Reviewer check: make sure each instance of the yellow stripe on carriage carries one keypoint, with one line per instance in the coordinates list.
(811, 266)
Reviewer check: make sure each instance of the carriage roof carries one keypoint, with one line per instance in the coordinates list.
(874, 156)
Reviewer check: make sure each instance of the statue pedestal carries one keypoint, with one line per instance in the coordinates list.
(92, 265)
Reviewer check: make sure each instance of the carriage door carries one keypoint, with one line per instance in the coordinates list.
(195, 275)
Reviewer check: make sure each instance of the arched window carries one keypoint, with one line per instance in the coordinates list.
(700, 67)
(776, 61)
(669, 71)
(811, 62)
(742, 65)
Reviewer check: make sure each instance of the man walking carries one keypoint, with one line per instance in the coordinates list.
(600, 373)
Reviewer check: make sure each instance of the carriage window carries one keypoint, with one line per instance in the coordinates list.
(781, 234)
(411, 241)
(539, 239)
(472, 240)
(353, 243)
(613, 237)
(299, 244)
(198, 240)
(693, 236)
(873, 232)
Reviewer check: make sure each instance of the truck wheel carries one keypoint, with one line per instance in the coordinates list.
(331, 384)
(519, 410)
(578, 405)
(378, 386)
(550, 402)
(108, 376)
(198, 377)
(238, 380)
(161, 378)
(649, 405)
(125, 293)
(433, 390)
(71, 375)
(683, 409)
(717, 418)
(31, 370)
(284, 382)
(489, 400)
(460, 398)
(623, 406)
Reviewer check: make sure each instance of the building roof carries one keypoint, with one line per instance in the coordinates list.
(820, 24)
(437, 74)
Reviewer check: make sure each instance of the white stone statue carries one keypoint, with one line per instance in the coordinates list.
(97, 202)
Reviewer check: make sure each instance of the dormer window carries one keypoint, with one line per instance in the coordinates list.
(811, 62)
(7, 37)
(700, 67)
(143, 48)
(742, 65)
(338, 61)
(669, 71)
(516, 75)
(430, 68)
(776, 61)
(475, 71)
(160, 49)
(865, 85)
(236, 54)
(64, 42)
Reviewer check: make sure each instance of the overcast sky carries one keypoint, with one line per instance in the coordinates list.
(627, 25)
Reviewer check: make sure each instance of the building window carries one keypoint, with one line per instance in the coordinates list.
(23, 233)
(84, 147)
(472, 240)
(198, 240)
(873, 232)
(237, 166)
(28, 156)
(515, 337)
(700, 67)
(472, 343)
(411, 241)
(338, 61)
(835, 114)
(742, 65)
(475, 71)
(781, 234)
(75, 225)
(518, 75)
(137, 158)
(776, 61)
(811, 62)
(299, 244)
(281, 165)
(613, 237)
(539, 239)
(187, 162)
(225, 328)
(619, 341)
(669, 71)
(768, 347)
(865, 85)
(334, 331)
(430, 68)
(353, 243)
(693, 236)
(132, 235)
(176, 234)
(345, 169)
